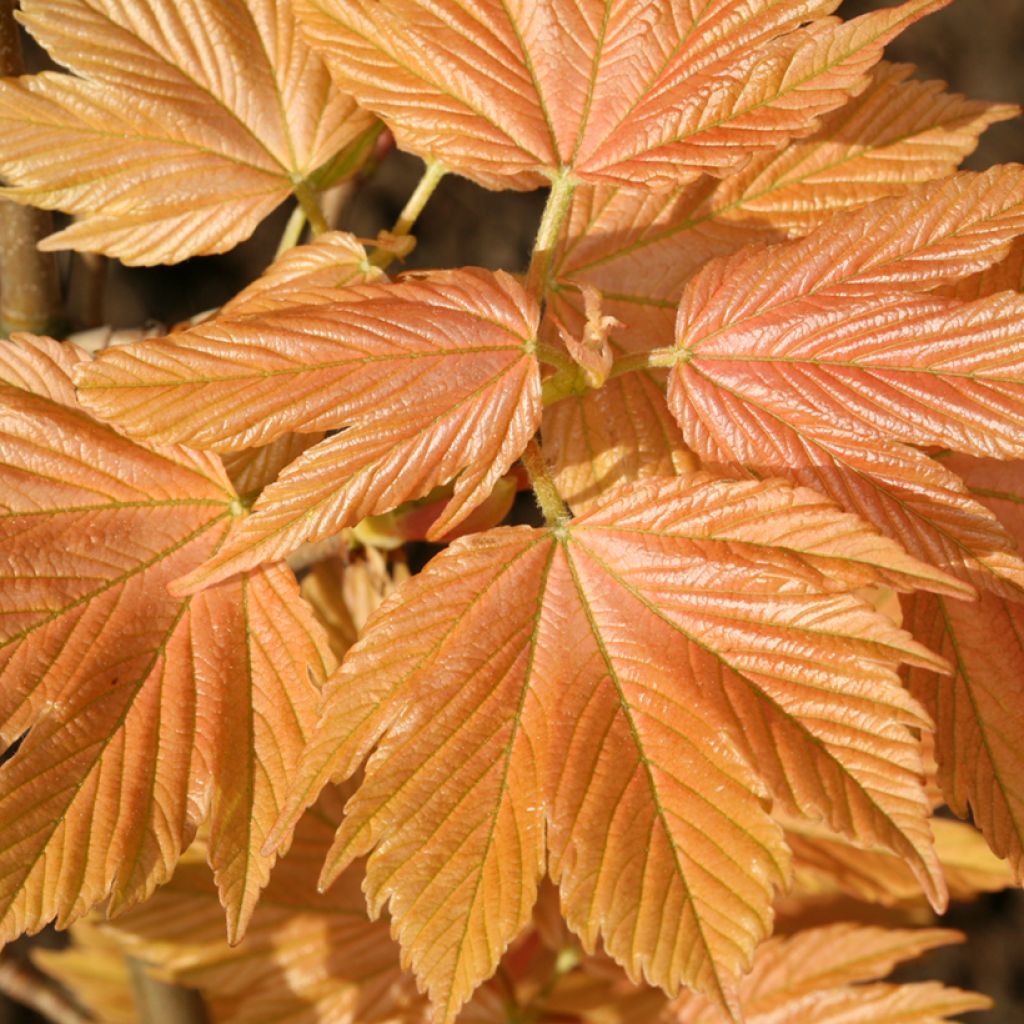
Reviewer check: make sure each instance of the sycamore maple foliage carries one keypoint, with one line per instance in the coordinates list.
(765, 370)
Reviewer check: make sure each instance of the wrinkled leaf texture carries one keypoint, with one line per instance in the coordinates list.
(820, 360)
(639, 92)
(184, 124)
(139, 714)
(979, 710)
(640, 249)
(434, 377)
(709, 632)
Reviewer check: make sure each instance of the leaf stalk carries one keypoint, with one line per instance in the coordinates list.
(309, 204)
(555, 210)
(555, 511)
(292, 232)
(425, 188)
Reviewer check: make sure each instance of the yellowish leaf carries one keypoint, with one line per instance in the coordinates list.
(184, 124)
(675, 601)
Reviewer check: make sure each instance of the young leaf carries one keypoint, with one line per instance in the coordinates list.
(675, 600)
(436, 379)
(803, 360)
(644, 94)
(896, 134)
(826, 865)
(979, 711)
(139, 714)
(810, 978)
(307, 957)
(186, 122)
(640, 249)
(334, 260)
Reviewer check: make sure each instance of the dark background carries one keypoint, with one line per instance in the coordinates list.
(975, 45)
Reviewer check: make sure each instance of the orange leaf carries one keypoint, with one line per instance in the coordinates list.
(826, 864)
(810, 978)
(511, 95)
(307, 957)
(674, 601)
(435, 377)
(186, 123)
(895, 134)
(979, 711)
(1007, 275)
(140, 713)
(640, 249)
(334, 260)
(803, 360)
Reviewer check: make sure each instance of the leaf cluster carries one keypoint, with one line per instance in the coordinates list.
(764, 376)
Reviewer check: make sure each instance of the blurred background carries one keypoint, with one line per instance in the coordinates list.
(977, 46)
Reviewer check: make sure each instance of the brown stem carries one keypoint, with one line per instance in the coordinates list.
(29, 287)
(27, 985)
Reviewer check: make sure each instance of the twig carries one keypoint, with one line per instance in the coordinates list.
(29, 287)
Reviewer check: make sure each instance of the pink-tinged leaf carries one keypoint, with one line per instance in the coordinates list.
(1006, 275)
(979, 710)
(630, 92)
(896, 134)
(334, 260)
(640, 249)
(675, 600)
(141, 714)
(434, 377)
(186, 122)
(801, 360)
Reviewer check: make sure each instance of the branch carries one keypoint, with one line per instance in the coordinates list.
(29, 289)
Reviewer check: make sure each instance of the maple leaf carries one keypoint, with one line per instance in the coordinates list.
(979, 710)
(434, 377)
(811, 978)
(897, 133)
(307, 956)
(511, 95)
(826, 864)
(138, 714)
(817, 360)
(184, 124)
(639, 249)
(675, 600)
(332, 260)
